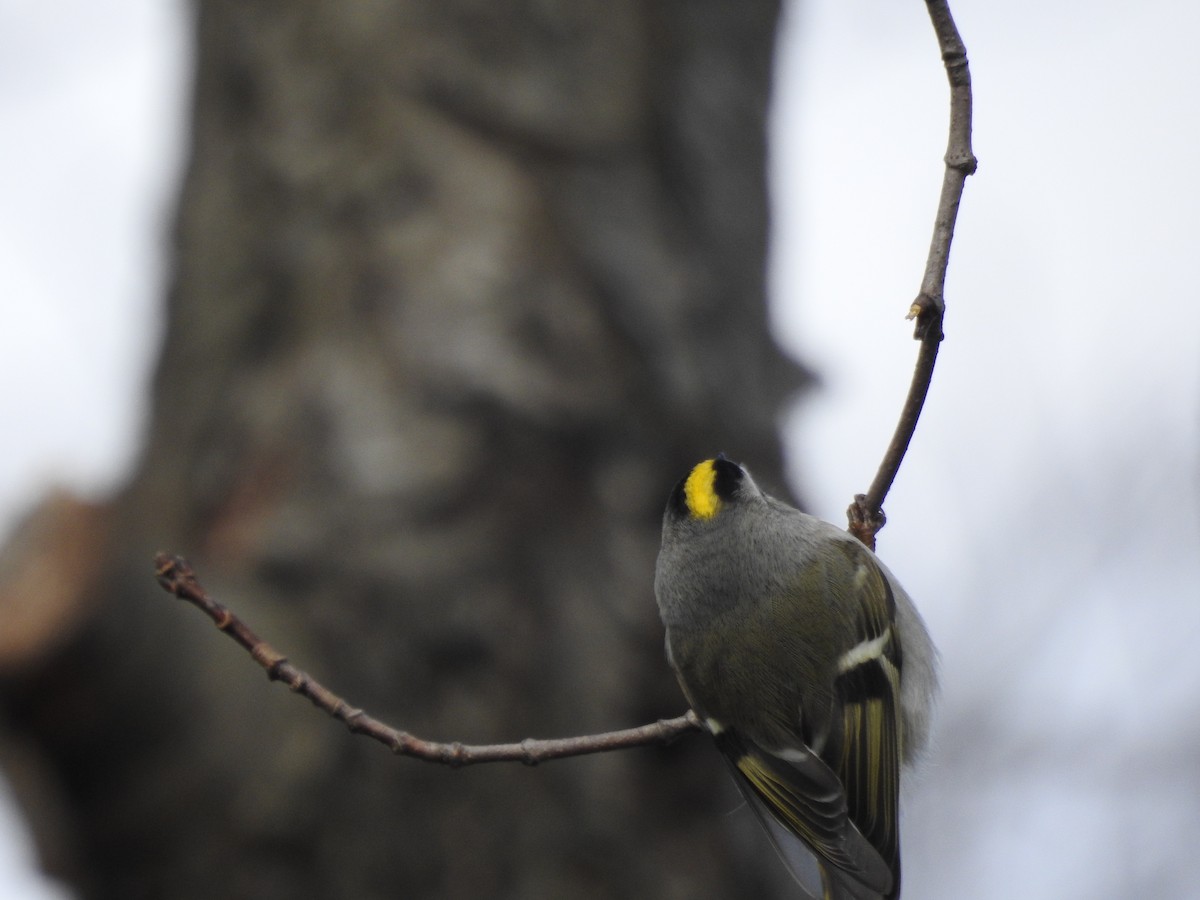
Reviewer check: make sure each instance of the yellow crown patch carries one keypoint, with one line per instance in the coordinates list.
(700, 491)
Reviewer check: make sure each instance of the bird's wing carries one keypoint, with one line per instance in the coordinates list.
(843, 800)
(868, 692)
(801, 797)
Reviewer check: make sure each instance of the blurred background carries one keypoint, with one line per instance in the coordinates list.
(1046, 518)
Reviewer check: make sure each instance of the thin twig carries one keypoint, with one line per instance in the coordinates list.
(866, 512)
(176, 576)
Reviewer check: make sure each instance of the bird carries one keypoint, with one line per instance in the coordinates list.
(809, 665)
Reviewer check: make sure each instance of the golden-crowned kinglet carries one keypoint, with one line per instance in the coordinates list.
(810, 666)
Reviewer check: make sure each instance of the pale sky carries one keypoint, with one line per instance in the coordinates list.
(1046, 521)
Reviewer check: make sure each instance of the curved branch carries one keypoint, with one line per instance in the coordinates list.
(176, 576)
(866, 512)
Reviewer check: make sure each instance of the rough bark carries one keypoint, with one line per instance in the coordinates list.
(461, 289)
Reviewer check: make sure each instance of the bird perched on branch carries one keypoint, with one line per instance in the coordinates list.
(809, 665)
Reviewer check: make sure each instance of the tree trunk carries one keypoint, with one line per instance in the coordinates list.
(461, 289)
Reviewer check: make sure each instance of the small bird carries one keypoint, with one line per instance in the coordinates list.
(809, 665)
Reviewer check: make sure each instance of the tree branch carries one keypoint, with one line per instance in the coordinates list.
(866, 512)
(176, 576)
